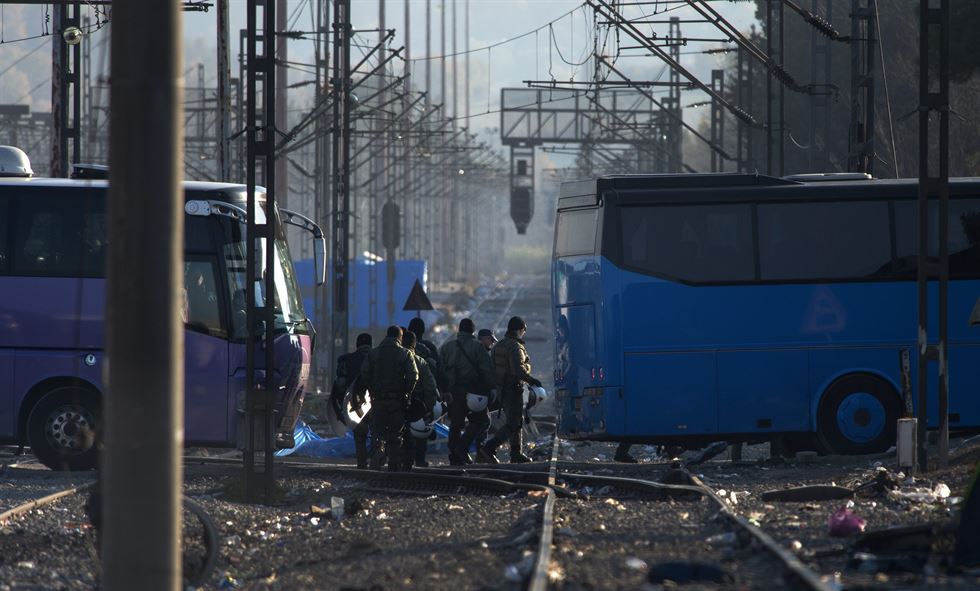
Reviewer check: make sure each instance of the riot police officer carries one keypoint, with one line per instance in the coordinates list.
(428, 351)
(469, 378)
(390, 373)
(348, 370)
(512, 367)
(421, 407)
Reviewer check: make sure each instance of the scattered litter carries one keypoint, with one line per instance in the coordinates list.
(314, 520)
(688, 572)
(537, 493)
(337, 508)
(844, 523)
(317, 511)
(454, 508)
(228, 582)
(634, 563)
(921, 494)
(725, 539)
(803, 494)
(796, 545)
(382, 516)
(613, 502)
(233, 540)
(25, 564)
(684, 515)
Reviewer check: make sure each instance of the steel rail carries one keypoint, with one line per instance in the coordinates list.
(40, 502)
(538, 580)
(794, 567)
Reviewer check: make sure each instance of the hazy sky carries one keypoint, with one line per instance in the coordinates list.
(539, 56)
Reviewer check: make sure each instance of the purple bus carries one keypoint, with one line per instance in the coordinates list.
(52, 292)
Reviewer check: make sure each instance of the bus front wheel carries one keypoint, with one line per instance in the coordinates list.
(857, 415)
(64, 427)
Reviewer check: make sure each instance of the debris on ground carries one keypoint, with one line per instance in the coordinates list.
(715, 449)
(937, 494)
(844, 523)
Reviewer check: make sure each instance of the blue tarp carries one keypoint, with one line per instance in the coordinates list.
(311, 445)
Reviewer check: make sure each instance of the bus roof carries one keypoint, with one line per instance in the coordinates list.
(740, 186)
(195, 186)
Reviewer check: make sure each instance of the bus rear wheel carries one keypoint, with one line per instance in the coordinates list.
(857, 415)
(64, 428)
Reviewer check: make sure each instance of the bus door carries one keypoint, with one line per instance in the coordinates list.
(206, 353)
(577, 367)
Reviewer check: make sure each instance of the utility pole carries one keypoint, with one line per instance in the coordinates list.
(260, 167)
(861, 135)
(820, 64)
(321, 206)
(224, 94)
(933, 182)
(673, 101)
(340, 191)
(141, 473)
(66, 103)
(281, 56)
(717, 121)
(774, 93)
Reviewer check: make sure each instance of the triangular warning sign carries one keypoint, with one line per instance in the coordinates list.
(417, 300)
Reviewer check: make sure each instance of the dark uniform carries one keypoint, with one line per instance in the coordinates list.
(424, 398)
(390, 373)
(467, 369)
(348, 370)
(512, 367)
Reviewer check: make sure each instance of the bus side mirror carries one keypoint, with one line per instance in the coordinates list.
(320, 260)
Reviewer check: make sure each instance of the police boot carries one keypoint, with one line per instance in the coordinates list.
(421, 447)
(463, 450)
(453, 443)
(360, 450)
(377, 457)
(487, 453)
(516, 444)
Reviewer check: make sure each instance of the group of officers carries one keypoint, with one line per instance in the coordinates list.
(412, 384)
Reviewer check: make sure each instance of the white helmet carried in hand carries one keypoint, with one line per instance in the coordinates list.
(535, 395)
(477, 402)
(353, 414)
(420, 429)
(438, 409)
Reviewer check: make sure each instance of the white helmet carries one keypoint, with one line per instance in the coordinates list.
(438, 409)
(535, 395)
(14, 162)
(420, 429)
(477, 402)
(353, 414)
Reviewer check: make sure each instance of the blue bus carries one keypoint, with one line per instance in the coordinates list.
(694, 308)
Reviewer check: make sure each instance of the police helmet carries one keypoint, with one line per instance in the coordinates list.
(438, 409)
(533, 395)
(420, 429)
(354, 414)
(477, 402)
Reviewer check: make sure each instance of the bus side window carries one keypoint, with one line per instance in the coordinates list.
(200, 310)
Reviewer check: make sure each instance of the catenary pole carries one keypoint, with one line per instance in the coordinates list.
(145, 402)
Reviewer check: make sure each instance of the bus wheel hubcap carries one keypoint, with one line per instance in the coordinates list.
(70, 428)
(861, 417)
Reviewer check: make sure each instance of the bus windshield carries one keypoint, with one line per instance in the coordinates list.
(287, 303)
